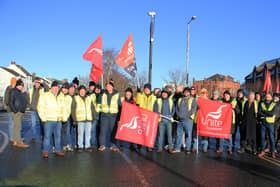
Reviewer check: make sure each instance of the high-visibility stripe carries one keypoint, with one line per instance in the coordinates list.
(83, 108)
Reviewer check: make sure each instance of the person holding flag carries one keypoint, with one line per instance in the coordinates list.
(110, 108)
(185, 110)
(235, 110)
(146, 100)
(165, 106)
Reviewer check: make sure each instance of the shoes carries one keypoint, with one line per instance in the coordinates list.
(159, 150)
(80, 150)
(241, 151)
(59, 153)
(170, 151)
(261, 154)
(115, 149)
(89, 149)
(273, 155)
(230, 152)
(266, 150)
(188, 152)
(45, 154)
(149, 149)
(219, 151)
(176, 151)
(194, 150)
(205, 150)
(102, 148)
(121, 148)
(20, 145)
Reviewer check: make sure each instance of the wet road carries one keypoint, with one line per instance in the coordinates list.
(131, 168)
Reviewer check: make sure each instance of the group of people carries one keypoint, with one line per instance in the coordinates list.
(72, 116)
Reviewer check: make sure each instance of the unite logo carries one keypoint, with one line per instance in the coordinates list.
(132, 124)
(96, 50)
(212, 118)
(135, 123)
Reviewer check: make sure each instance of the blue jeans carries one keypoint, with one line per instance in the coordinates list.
(10, 125)
(73, 135)
(34, 119)
(65, 133)
(84, 133)
(270, 128)
(165, 127)
(186, 126)
(52, 128)
(94, 133)
(221, 143)
(203, 141)
(107, 125)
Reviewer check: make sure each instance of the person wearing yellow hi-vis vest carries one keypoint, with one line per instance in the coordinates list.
(51, 112)
(110, 109)
(241, 100)
(146, 100)
(235, 110)
(165, 107)
(250, 123)
(267, 115)
(65, 129)
(83, 113)
(185, 109)
(34, 94)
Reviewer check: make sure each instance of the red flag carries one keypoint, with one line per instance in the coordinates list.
(94, 53)
(214, 118)
(126, 57)
(277, 87)
(137, 125)
(267, 84)
(95, 74)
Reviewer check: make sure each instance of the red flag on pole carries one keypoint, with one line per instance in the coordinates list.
(95, 54)
(214, 118)
(277, 86)
(137, 125)
(126, 57)
(267, 84)
(95, 74)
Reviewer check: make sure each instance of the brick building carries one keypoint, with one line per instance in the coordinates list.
(255, 80)
(219, 83)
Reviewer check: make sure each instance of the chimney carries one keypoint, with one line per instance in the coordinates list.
(13, 62)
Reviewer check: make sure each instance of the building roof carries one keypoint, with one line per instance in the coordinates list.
(11, 71)
(219, 77)
(21, 68)
(270, 64)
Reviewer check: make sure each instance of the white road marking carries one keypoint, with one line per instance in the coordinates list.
(6, 141)
(137, 171)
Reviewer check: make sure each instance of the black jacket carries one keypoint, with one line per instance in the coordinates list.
(17, 101)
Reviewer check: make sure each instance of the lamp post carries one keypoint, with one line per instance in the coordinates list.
(152, 15)
(188, 48)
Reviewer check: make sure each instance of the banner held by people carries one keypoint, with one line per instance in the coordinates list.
(214, 118)
(94, 54)
(126, 57)
(137, 125)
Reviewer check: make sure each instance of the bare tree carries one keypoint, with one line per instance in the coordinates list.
(175, 76)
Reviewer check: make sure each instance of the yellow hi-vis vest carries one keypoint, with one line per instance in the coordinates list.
(83, 108)
(41, 92)
(159, 102)
(67, 100)
(190, 100)
(113, 108)
(93, 100)
(50, 108)
(270, 120)
(146, 102)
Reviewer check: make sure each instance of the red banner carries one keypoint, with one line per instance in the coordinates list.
(126, 57)
(94, 53)
(137, 125)
(95, 74)
(214, 118)
(267, 84)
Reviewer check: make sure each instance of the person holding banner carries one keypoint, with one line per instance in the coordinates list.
(185, 110)
(165, 107)
(235, 109)
(110, 108)
(267, 116)
(146, 100)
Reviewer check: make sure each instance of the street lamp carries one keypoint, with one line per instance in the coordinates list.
(188, 48)
(152, 15)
